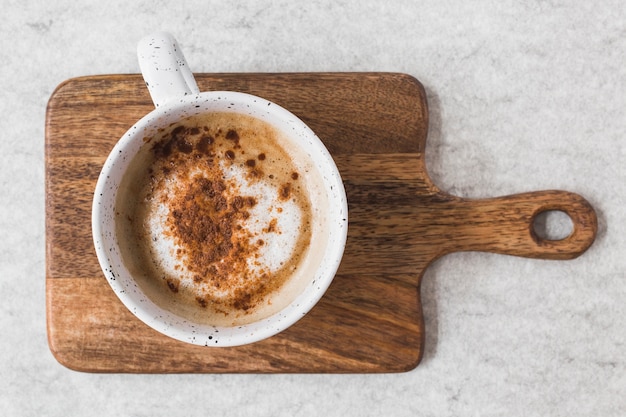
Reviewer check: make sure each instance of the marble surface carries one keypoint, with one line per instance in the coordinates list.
(523, 96)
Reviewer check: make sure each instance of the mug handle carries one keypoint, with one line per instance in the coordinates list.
(164, 68)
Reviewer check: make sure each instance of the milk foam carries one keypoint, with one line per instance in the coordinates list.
(279, 244)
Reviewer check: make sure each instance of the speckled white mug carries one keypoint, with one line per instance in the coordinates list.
(175, 94)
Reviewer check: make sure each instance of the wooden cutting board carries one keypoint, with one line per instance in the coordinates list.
(370, 319)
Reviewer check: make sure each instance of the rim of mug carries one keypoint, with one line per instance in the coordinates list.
(119, 277)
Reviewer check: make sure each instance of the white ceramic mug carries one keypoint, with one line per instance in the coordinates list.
(176, 96)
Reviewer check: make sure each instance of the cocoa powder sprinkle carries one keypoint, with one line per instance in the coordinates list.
(206, 216)
(285, 191)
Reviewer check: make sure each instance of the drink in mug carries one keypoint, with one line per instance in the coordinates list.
(216, 218)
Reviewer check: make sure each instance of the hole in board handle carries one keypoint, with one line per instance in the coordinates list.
(553, 225)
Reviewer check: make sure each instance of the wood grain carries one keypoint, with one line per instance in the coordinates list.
(370, 319)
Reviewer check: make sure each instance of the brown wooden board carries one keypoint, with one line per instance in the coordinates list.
(370, 319)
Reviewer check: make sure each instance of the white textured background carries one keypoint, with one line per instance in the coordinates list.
(524, 96)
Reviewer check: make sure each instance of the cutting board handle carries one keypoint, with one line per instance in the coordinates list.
(505, 225)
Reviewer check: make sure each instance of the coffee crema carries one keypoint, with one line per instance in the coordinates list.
(214, 217)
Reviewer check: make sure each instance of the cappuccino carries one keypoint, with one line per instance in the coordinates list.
(215, 219)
